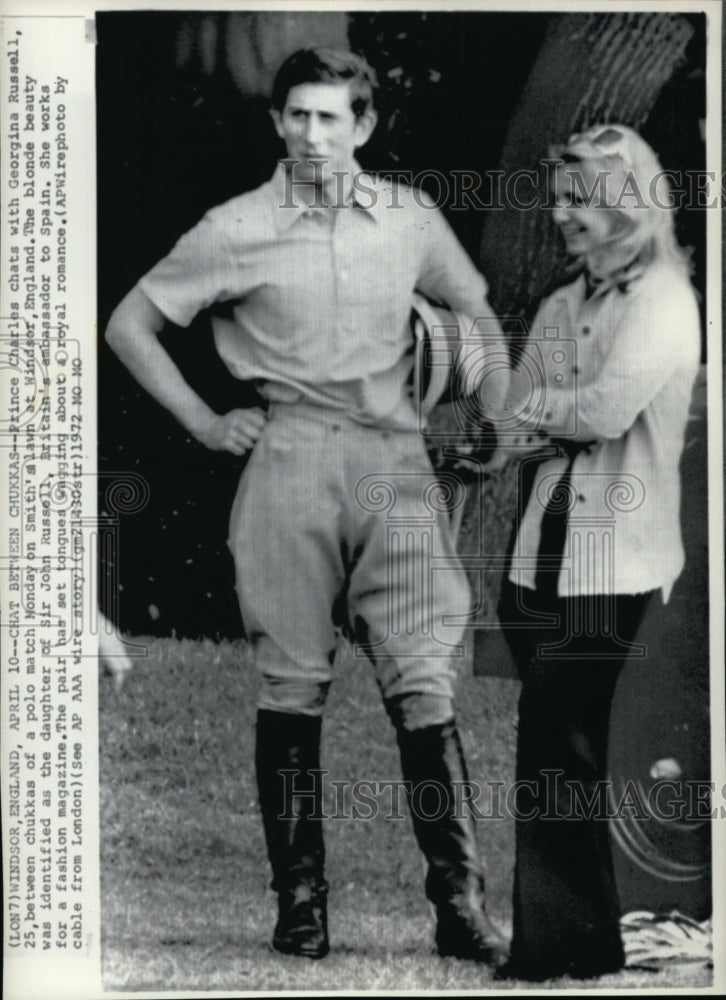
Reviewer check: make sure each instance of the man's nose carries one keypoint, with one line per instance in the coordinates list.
(560, 215)
(312, 129)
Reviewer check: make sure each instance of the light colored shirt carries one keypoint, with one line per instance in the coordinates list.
(619, 370)
(320, 301)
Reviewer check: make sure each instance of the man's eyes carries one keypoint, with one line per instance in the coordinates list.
(323, 115)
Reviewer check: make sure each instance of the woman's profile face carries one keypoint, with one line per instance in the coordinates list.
(581, 211)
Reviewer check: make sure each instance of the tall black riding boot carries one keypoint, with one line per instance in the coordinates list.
(433, 761)
(291, 806)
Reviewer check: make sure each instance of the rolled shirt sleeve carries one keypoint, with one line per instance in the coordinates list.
(447, 274)
(193, 275)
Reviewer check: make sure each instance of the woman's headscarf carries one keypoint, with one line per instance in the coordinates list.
(628, 181)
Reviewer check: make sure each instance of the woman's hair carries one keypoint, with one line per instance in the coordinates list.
(324, 65)
(623, 175)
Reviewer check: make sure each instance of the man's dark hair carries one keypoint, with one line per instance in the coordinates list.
(323, 65)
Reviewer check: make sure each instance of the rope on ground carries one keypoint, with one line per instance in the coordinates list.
(658, 940)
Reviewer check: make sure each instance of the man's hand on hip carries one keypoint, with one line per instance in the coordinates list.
(235, 431)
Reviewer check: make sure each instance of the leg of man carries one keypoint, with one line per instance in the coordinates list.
(408, 601)
(289, 571)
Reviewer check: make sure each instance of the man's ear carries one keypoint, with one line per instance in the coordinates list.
(364, 126)
(277, 121)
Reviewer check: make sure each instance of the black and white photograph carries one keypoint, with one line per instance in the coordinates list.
(386, 541)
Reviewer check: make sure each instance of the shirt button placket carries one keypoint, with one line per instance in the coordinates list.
(341, 240)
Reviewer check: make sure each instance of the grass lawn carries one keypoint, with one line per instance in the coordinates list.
(186, 903)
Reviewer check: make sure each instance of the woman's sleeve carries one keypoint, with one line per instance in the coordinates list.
(656, 335)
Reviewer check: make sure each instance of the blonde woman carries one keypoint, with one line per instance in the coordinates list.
(605, 380)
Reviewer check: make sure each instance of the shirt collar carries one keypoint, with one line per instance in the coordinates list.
(370, 197)
(286, 211)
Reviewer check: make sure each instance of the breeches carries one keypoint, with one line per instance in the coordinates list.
(339, 528)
